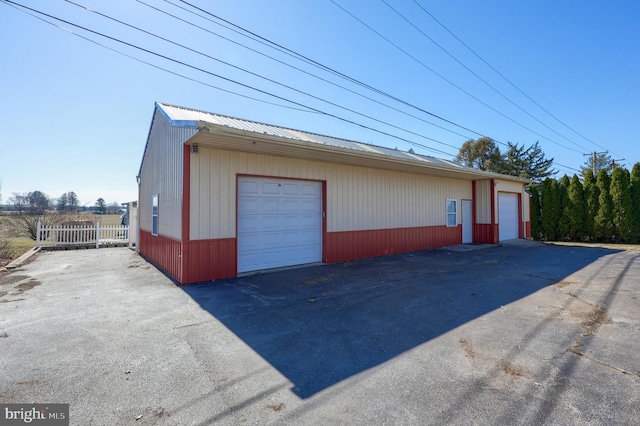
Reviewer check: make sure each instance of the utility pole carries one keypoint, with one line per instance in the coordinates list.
(613, 163)
(594, 155)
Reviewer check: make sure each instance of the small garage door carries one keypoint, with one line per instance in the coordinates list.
(279, 223)
(508, 217)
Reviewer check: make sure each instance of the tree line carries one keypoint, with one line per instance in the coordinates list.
(602, 208)
(37, 202)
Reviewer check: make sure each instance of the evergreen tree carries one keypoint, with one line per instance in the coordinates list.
(529, 163)
(621, 203)
(603, 221)
(536, 225)
(591, 196)
(635, 203)
(564, 222)
(576, 210)
(550, 201)
(101, 206)
(62, 202)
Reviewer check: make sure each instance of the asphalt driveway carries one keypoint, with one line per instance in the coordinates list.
(517, 334)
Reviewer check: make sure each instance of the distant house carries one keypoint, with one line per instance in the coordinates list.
(221, 196)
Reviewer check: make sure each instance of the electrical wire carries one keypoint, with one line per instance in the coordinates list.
(307, 109)
(478, 76)
(414, 143)
(449, 81)
(506, 79)
(157, 66)
(261, 76)
(292, 53)
(302, 70)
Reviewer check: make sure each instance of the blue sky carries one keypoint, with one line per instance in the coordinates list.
(75, 116)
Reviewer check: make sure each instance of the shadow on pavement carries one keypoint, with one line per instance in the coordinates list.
(322, 324)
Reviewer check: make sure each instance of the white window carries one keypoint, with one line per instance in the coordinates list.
(154, 215)
(452, 212)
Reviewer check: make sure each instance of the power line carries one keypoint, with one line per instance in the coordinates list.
(261, 76)
(307, 109)
(417, 144)
(505, 78)
(449, 81)
(156, 66)
(326, 68)
(302, 70)
(565, 167)
(476, 74)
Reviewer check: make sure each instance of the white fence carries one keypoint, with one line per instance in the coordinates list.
(82, 235)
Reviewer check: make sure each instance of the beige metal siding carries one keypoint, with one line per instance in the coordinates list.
(358, 198)
(483, 201)
(161, 173)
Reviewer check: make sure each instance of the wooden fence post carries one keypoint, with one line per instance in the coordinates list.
(38, 234)
(97, 234)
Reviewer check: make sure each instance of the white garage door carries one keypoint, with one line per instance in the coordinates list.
(508, 216)
(279, 223)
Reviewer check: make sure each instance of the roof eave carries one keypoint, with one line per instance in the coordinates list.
(331, 153)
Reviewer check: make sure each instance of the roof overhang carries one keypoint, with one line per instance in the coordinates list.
(228, 138)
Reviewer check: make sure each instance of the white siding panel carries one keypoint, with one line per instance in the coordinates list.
(161, 173)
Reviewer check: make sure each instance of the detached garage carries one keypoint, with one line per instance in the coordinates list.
(221, 196)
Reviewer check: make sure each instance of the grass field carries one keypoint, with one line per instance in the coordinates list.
(106, 219)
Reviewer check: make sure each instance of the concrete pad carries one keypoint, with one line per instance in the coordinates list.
(514, 335)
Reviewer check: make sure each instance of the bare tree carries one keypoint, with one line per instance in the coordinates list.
(19, 201)
(5, 238)
(28, 225)
(113, 208)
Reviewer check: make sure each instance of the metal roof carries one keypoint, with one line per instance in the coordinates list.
(186, 117)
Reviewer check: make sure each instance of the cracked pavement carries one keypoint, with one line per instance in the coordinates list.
(527, 333)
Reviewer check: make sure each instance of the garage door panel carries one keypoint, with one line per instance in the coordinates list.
(291, 189)
(307, 237)
(309, 206)
(280, 224)
(269, 206)
(508, 216)
(249, 224)
(249, 205)
(311, 190)
(249, 261)
(270, 188)
(290, 206)
(309, 222)
(248, 187)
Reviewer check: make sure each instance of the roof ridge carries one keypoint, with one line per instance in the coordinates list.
(294, 130)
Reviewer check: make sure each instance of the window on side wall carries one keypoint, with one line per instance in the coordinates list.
(154, 215)
(452, 212)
